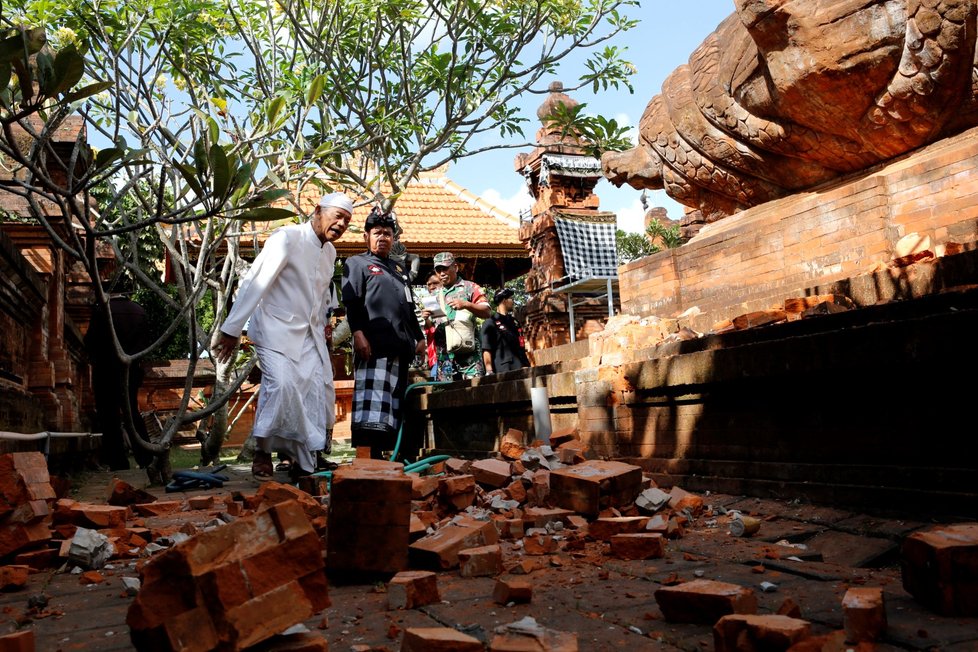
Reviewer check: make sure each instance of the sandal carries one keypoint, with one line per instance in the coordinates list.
(284, 465)
(261, 466)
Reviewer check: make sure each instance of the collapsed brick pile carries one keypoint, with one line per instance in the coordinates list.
(232, 573)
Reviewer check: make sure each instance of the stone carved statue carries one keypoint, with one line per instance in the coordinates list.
(788, 94)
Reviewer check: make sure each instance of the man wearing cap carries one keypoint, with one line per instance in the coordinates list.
(462, 301)
(386, 334)
(286, 295)
(503, 347)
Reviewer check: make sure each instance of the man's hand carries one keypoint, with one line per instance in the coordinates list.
(224, 348)
(361, 346)
(421, 347)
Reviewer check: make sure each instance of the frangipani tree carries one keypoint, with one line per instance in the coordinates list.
(210, 116)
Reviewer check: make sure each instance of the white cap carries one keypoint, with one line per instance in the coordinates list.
(337, 199)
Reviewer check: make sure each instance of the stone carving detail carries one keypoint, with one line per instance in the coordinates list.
(788, 94)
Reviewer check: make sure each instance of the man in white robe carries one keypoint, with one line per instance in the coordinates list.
(287, 294)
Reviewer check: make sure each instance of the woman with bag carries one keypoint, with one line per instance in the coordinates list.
(457, 335)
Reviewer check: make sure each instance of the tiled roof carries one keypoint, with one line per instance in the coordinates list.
(437, 214)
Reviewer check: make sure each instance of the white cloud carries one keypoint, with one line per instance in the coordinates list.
(631, 217)
(519, 201)
(625, 120)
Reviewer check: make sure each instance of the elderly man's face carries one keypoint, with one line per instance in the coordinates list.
(447, 274)
(379, 240)
(332, 223)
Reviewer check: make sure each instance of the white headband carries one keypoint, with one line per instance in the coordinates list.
(337, 199)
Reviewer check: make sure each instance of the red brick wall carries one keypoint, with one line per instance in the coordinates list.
(757, 258)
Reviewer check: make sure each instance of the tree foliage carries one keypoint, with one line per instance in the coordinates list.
(211, 116)
(657, 236)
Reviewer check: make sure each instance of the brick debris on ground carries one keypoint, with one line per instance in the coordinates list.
(530, 550)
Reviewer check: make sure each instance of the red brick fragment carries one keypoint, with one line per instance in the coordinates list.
(22, 641)
(742, 632)
(602, 529)
(410, 589)
(940, 568)
(439, 639)
(233, 586)
(458, 491)
(864, 614)
(491, 472)
(159, 508)
(704, 601)
(91, 577)
(483, 561)
(638, 545)
(13, 577)
(511, 445)
(200, 502)
(440, 549)
(121, 493)
(592, 486)
(517, 591)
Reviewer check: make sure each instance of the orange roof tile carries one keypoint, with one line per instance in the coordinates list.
(437, 214)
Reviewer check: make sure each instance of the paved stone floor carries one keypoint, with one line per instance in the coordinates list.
(609, 603)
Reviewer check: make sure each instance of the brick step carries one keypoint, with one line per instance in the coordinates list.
(926, 491)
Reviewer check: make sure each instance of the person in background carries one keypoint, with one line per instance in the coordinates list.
(463, 302)
(132, 329)
(433, 283)
(287, 295)
(503, 346)
(386, 335)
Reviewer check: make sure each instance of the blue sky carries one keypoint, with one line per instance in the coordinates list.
(667, 35)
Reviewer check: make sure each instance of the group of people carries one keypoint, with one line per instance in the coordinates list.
(284, 300)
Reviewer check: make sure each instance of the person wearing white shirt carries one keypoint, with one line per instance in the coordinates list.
(287, 294)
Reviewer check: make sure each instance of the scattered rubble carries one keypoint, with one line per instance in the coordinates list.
(238, 570)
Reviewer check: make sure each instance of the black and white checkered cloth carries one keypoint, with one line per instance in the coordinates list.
(374, 402)
(588, 248)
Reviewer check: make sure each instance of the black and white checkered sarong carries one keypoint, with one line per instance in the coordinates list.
(375, 405)
(588, 247)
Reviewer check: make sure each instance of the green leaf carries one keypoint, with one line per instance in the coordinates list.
(315, 90)
(268, 197)
(87, 91)
(274, 108)
(13, 47)
(69, 67)
(188, 172)
(265, 214)
(214, 131)
(45, 73)
(222, 171)
(200, 156)
(25, 80)
(106, 156)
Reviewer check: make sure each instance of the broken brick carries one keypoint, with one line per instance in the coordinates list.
(544, 516)
(99, 516)
(369, 520)
(562, 436)
(704, 601)
(515, 591)
(741, 632)
(423, 486)
(864, 614)
(159, 508)
(15, 537)
(638, 545)
(592, 486)
(410, 589)
(13, 577)
(515, 490)
(540, 544)
(457, 490)
(439, 550)
(940, 568)
(527, 635)
(233, 586)
(602, 529)
(439, 639)
(491, 472)
(200, 502)
(121, 493)
(22, 641)
(483, 561)
(511, 445)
